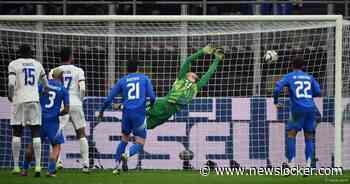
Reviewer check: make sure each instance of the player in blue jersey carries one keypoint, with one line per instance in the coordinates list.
(134, 88)
(51, 102)
(302, 89)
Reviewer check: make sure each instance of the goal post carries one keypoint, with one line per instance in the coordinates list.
(338, 91)
(103, 43)
(173, 18)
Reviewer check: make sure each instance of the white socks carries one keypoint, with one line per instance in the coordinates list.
(291, 164)
(16, 148)
(308, 163)
(117, 165)
(84, 151)
(37, 150)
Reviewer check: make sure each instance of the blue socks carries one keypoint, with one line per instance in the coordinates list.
(26, 165)
(291, 148)
(134, 149)
(120, 150)
(309, 149)
(51, 166)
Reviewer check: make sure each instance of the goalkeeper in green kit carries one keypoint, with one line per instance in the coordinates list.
(184, 89)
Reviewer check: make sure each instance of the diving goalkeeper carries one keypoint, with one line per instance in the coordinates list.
(184, 89)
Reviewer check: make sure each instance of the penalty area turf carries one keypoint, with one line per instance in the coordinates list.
(71, 176)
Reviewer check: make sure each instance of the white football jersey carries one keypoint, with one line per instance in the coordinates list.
(28, 73)
(72, 75)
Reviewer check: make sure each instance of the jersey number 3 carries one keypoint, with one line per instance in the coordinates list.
(133, 91)
(52, 96)
(302, 89)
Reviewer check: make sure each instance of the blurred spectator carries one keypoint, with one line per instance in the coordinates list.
(124, 9)
(155, 12)
(287, 8)
(213, 10)
(196, 10)
(15, 9)
(246, 9)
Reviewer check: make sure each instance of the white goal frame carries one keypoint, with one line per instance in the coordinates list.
(338, 19)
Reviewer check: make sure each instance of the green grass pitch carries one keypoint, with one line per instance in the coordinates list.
(164, 177)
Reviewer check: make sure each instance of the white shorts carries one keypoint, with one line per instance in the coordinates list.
(28, 113)
(76, 116)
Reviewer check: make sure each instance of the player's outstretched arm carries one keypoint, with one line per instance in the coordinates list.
(219, 56)
(316, 90)
(185, 67)
(66, 107)
(114, 92)
(150, 92)
(82, 84)
(278, 88)
(43, 79)
(11, 83)
(65, 110)
(82, 90)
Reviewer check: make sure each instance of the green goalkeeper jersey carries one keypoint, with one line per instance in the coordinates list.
(183, 90)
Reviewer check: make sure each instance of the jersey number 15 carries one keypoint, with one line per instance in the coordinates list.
(29, 76)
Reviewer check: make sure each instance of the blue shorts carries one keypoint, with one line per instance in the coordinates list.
(134, 121)
(305, 120)
(49, 130)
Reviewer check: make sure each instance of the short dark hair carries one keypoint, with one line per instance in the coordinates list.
(25, 51)
(66, 54)
(132, 65)
(298, 62)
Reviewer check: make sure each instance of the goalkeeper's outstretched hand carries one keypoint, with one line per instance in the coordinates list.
(219, 53)
(208, 49)
(99, 116)
(117, 106)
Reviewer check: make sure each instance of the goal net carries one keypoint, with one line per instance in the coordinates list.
(231, 121)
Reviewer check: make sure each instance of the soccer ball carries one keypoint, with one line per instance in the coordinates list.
(186, 155)
(270, 56)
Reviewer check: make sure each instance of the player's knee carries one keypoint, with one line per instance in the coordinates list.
(125, 137)
(29, 152)
(140, 140)
(309, 135)
(35, 131)
(292, 133)
(140, 136)
(17, 130)
(55, 152)
(81, 132)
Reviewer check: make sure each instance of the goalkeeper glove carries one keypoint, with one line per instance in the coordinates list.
(219, 53)
(208, 49)
(99, 116)
(117, 106)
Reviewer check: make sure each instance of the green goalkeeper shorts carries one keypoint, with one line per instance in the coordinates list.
(160, 112)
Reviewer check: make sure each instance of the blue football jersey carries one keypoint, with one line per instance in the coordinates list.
(302, 89)
(52, 100)
(134, 88)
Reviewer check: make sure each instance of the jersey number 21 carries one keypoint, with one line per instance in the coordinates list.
(134, 91)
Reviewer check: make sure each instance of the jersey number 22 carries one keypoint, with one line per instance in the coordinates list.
(302, 89)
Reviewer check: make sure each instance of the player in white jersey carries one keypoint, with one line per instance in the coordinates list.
(74, 81)
(24, 75)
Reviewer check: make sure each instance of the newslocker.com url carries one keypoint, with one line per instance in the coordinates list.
(271, 171)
